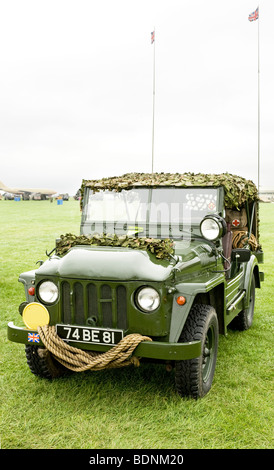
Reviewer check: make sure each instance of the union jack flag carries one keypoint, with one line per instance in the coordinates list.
(152, 37)
(254, 15)
(33, 338)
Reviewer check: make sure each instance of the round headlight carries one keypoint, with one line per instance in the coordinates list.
(211, 228)
(148, 299)
(48, 292)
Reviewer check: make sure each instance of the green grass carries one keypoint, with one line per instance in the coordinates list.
(130, 408)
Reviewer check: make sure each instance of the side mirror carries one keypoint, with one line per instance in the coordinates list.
(242, 255)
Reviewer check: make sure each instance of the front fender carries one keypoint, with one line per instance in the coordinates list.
(27, 279)
(189, 290)
(251, 267)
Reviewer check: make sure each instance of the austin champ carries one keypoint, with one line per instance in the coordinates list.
(163, 265)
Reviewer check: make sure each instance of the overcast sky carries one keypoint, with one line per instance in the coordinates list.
(76, 87)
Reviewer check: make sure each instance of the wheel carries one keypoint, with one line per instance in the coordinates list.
(244, 319)
(42, 363)
(193, 377)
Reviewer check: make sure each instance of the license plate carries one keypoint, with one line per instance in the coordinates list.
(83, 334)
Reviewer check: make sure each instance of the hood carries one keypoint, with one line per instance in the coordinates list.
(110, 263)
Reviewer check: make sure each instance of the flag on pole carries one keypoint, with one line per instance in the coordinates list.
(152, 37)
(254, 15)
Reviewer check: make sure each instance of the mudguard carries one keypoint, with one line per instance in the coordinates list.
(251, 266)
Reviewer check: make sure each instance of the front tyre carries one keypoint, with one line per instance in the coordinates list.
(194, 377)
(42, 363)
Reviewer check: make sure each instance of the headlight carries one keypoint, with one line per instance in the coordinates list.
(212, 227)
(48, 292)
(147, 299)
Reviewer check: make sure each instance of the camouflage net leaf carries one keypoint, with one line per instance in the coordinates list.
(160, 248)
(237, 189)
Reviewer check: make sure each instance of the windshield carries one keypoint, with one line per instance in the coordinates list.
(154, 212)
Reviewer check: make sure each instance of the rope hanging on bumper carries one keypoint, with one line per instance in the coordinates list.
(78, 360)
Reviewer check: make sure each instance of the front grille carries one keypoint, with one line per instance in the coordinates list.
(92, 303)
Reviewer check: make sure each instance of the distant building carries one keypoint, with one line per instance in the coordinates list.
(267, 195)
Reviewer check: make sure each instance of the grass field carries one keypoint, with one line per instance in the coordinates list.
(130, 408)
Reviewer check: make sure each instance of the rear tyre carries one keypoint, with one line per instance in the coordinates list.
(244, 319)
(193, 377)
(42, 363)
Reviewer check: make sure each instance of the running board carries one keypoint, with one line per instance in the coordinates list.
(233, 305)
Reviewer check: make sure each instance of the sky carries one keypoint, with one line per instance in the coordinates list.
(76, 83)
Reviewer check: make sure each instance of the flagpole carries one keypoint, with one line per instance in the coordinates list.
(254, 16)
(152, 157)
(258, 105)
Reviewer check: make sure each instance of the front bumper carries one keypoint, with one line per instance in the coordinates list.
(147, 349)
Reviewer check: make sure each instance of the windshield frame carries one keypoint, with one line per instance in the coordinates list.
(131, 228)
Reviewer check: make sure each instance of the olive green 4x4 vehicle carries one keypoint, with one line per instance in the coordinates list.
(171, 258)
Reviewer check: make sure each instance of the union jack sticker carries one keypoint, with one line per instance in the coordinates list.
(33, 338)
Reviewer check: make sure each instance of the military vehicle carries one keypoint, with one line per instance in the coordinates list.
(163, 265)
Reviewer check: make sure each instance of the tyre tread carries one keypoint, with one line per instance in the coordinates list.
(187, 371)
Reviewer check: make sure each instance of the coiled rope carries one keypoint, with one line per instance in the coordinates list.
(240, 239)
(78, 360)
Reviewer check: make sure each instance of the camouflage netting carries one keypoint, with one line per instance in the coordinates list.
(237, 189)
(160, 248)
